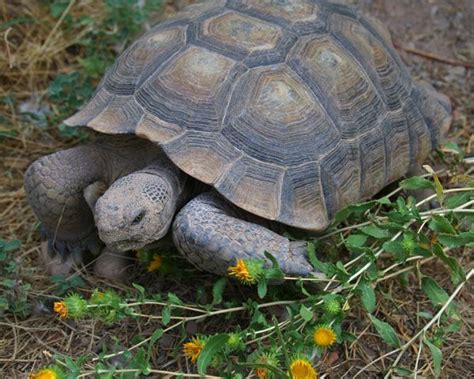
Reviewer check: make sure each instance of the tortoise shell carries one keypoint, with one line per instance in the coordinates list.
(291, 109)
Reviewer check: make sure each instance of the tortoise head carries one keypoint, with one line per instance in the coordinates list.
(135, 211)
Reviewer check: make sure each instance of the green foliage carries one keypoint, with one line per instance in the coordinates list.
(212, 347)
(367, 295)
(65, 284)
(121, 22)
(436, 354)
(394, 228)
(14, 291)
(386, 331)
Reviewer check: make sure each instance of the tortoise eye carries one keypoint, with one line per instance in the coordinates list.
(138, 218)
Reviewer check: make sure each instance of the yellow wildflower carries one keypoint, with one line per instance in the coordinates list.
(100, 295)
(193, 349)
(324, 336)
(60, 308)
(47, 373)
(301, 368)
(242, 272)
(265, 358)
(261, 373)
(155, 264)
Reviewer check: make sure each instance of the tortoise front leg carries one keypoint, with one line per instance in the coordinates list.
(57, 186)
(54, 186)
(210, 235)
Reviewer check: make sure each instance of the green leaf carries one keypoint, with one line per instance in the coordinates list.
(455, 148)
(278, 373)
(356, 240)
(356, 209)
(425, 314)
(396, 248)
(9, 283)
(453, 327)
(154, 337)
(367, 295)
(441, 224)
(372, 272)
(9, 246)
(384, 201)
(166, 315)
(306, 313)
(262, 288)
(349, 337)
(437, 295)
(439, 189)
(16, 21)
(375, 231)
(173, 299)
(341, 272)
(417, 182)
(462, 239)
(403, 372)
(211, 348)
(218, 290)
(316, 263)
(93, 66)
(456, 272)
(275, 271)
(436, 354)
(385, 331)
(140, 290)
(140, 362)
(457, 200)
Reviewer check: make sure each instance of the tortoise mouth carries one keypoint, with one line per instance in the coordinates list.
(126, 245)
(131, 243)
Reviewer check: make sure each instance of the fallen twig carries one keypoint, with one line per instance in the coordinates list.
(433, 57)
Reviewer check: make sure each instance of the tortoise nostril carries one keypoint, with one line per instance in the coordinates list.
(139, 217)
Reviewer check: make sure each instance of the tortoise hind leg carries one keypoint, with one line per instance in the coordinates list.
(210, 234)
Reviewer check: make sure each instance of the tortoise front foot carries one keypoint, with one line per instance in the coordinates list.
(113, 265)
(110, 264)
(209, 233)
(54, 263)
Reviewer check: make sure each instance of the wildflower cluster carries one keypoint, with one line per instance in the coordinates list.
(153, 261)
(52, 372)
(106, 306)
(301, 368)
(73, 306)
(324, 336)
(247, 271)
(193, 349)
(293, 346)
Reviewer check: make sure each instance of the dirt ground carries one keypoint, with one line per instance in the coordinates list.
(436, 40)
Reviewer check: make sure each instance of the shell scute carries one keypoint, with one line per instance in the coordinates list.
(240, 32)
(188, 91)
(279, 121)
(142, 59)
(349, 95)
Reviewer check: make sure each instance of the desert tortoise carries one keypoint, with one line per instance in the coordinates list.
(286, 110)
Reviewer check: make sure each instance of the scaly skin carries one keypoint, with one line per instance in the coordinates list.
(138, 209)
(55, 187)
(212, 235)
